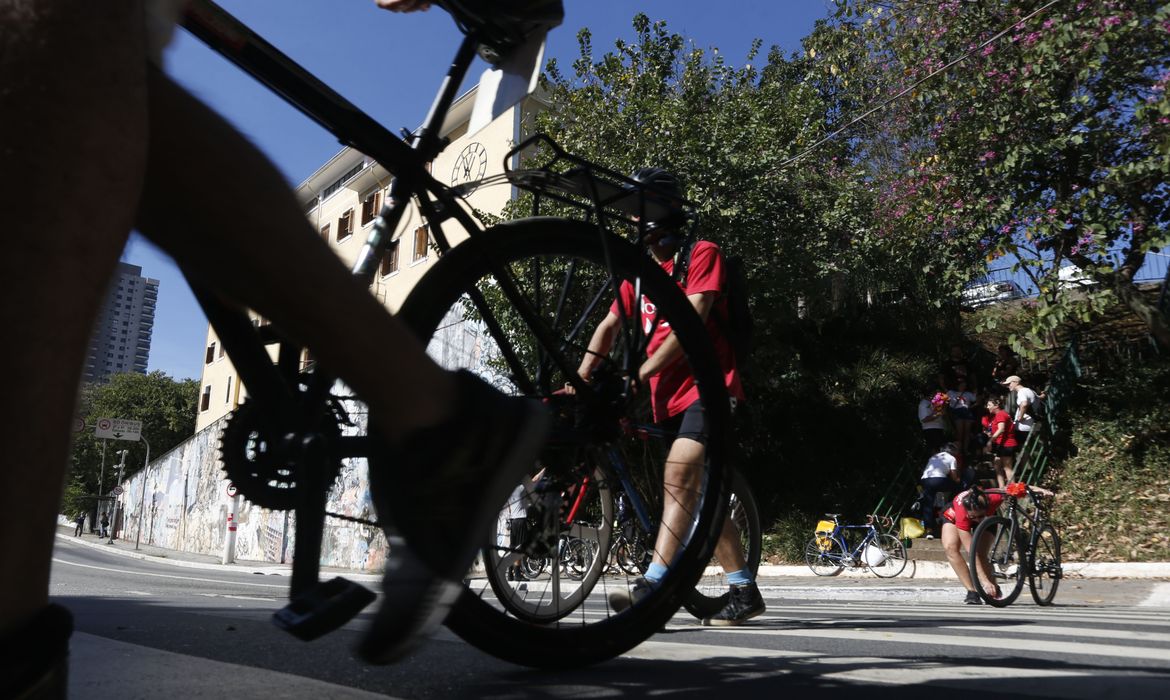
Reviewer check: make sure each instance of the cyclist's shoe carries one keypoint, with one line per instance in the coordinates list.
(973, 598)
(415, 603)
(744, 603)
(626, 598)
(442, 490)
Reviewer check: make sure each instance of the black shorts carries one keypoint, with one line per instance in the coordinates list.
(1003, 451)
(691, 423)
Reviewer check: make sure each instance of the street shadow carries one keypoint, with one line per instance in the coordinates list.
(446, 667)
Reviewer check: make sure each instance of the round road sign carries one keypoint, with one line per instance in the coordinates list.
(231, 490)
(117, 491)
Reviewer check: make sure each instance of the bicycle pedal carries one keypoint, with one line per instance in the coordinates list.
(323, 608)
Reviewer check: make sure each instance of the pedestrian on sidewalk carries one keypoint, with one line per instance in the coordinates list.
(105, 525)
(939, 478)
(80, 520)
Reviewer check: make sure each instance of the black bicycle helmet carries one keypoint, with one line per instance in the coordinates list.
(664, 198)
(975, 499)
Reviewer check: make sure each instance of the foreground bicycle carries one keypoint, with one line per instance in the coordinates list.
(830, 550)
(530, 286)
(1020, 545)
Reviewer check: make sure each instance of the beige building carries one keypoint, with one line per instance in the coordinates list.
(342, 199)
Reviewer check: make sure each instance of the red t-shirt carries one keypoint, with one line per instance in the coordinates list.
(1008, 437)
(673, 389)
(958, 516)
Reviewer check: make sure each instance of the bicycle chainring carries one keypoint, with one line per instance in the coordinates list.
(260, 458)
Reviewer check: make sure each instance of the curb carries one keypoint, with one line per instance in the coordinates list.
(942, 570)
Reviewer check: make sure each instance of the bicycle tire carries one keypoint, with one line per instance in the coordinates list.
(1044, 570)
(997, 537)
(894, 553)
(711, 592)
(520, 250)
(551, 603)
(825, 556)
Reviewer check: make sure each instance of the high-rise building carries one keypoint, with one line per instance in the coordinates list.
(121, 340)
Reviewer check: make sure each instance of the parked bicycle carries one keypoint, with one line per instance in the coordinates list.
(531, 285)
(1021, 544)
(835, 547)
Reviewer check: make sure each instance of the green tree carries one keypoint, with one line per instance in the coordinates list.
(1047, 144)
(166, 408)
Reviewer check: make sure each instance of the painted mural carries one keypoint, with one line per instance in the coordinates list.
(181, 500)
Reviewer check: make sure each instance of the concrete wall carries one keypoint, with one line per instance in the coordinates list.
(186, 506)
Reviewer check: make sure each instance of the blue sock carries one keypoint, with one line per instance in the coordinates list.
(739, 578)
(654, 572)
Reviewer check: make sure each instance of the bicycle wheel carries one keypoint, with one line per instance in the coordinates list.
(1044, 570)
(561, 276)
(893, 556)
(549, 595)
(711, 592)
(825, 556)
(996, 540)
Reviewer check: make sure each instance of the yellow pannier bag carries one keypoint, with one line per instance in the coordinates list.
(912, 528)
(825, 528)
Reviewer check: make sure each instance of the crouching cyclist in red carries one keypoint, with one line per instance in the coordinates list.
(966, 511)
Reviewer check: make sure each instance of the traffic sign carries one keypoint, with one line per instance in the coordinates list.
(117, 491)
(231, 490)
(78, 425)
(118, 429)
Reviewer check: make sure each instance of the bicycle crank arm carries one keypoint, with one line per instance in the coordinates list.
(323, 608)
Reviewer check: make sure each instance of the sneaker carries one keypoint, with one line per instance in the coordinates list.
(973, 598)
(441, 491)
(626, 598)
(929, 536)
(744, 603)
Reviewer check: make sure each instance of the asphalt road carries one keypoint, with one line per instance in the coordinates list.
(146, 629)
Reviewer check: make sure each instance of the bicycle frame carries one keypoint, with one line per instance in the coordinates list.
(273, 387)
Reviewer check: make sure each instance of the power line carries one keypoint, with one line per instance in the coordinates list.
(914, 85)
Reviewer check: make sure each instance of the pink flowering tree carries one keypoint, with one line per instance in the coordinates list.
(1025, 131)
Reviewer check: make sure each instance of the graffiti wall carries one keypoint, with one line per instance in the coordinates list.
(181, 502)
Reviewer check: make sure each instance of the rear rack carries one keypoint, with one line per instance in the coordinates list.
(592, 188)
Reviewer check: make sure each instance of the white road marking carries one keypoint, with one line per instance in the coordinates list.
(236, 597)
(181, 578)
(1134, 635)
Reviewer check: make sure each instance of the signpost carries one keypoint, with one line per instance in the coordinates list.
(118, 429)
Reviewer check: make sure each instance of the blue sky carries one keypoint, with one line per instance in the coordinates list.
(390, 66)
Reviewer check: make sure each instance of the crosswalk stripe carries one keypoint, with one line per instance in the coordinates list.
(1129, 635)
(983, 642)
(892, 672)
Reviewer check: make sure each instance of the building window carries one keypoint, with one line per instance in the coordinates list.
(370, 205)
(325, 232)
(210, 357)
(345, 225)
(227, 396)
(420, 243)
(221, 350)
(205, 400)
(390, 259)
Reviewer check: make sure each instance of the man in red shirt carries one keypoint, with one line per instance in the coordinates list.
(966, 511)
(675, 400)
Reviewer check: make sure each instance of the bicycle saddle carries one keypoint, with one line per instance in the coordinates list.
(502, 25)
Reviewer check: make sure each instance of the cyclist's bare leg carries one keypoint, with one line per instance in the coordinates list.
(729, 548)
(221, 208)
(682, 478)
(72, 112)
